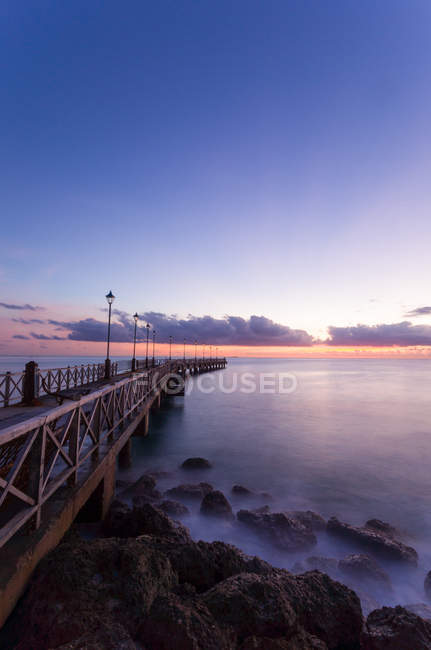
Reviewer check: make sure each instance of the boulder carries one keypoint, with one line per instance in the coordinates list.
(196, 463)
(382, 527)
(427, 585)
(215, 504)
(420, 609)
(396, 628)
(366, 571)
(308, 518)
(242, 491)
(300, 641)
(144, 487)
(284, 532)
(327, 565)
(189, 491)
(174, 508)
(377, 542)
(122, 521)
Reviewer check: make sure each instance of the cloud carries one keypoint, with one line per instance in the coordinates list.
(419, 311)
(21, 337)
(30, 321)
(44, 337)
(26, 307)
(231, 330)
(393, 334)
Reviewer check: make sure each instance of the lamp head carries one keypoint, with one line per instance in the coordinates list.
(110, 298)
(135, 317)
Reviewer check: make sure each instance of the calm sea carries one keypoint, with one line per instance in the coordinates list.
(353, 440)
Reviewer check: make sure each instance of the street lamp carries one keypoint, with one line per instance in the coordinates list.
(146, 354)
(135, 318)
(154, 343)
(184, 354)
(196, 350)
(211, 352)
(110, 299)
(170, 348)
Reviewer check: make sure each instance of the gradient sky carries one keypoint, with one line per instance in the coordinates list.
(242, 158)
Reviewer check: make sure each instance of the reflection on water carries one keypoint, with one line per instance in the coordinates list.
(353, 440)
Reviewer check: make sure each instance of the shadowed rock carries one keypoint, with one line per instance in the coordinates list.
(382, 527)
(284, 532)
(420, 609)
(308, 518)
(215, 504)
(189, 491)
(122, 521)
(174, 508)
(395, 628)
(366, 571)
(427, 585)
(144, 487)
(375, 541)
(196, 463)
(327, 565)
(242, 491)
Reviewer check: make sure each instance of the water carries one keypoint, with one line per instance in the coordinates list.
(17, 363)
(353, 440)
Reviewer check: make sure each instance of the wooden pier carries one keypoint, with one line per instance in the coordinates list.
(57, 458)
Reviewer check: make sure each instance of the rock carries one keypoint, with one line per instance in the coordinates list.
(176, 624)
(144, 487)
(300, 641)
(327, 565)
(215, 504)
(196, 463)
(89, 589)
(366, 571)
(174, 508)
(189, 491)
(420, 609)
(242, 491)
(427, 585)
(263, 510)
(308, 518)
(395, 628)
(121, 484)
(382, 527)
(375, 541)
(266, 495)
(122, 521)
(279, 529)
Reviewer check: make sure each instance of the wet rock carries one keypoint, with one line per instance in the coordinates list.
(366, 571)
(427, 585)
(382, 527)
(420, 609)
(284, 532)
(215, 504)
(99, 589)
(196, 463)
(395, 628)
(375, 541)
(300, 641)
(122, 521)
(189, 491)
(173, 623)
(308, 518)
(327, 565)
(242, 491)
(144, 487)
(174, 508)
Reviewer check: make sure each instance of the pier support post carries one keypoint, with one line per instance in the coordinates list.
(30, 387)
(142, 428)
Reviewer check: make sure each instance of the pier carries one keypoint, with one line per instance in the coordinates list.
(60, 446)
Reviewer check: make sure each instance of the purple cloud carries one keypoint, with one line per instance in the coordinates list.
(21, 337)
(44, 337)
(26, 307)
(30, 321)
(394, 334)
(419, 311)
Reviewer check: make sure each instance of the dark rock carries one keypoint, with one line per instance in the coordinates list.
(375, 541)
(176, 624)
(382, 527)
(242, 491)
(174, 508)
(121, 484)
(196, 463)
(300, 641)
(327, 565)
(89, 589)
(308, 518)
(284, 532)
(427, 585)
(263, 510)
(366, 571)
(122, 521)
(189, 491)
(420, 609)
(144, 487)
(395, 628)
(215, 504)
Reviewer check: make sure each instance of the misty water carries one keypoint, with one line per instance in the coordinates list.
(353, 440)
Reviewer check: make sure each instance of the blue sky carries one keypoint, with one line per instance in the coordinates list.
(217, 158)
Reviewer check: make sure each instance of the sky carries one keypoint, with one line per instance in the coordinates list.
(250, 174)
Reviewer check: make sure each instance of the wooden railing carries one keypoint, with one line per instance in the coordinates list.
(61, 447)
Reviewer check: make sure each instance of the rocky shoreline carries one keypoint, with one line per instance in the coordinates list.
(144, 583)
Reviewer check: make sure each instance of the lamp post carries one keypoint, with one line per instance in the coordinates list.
(184, 351)
(170, 348)
(211, 352)
(154, 343)
(135, 318)
(196, 350)
(146, 353)
(110, 299)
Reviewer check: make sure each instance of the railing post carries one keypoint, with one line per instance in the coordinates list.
(7, 389)
(74, 444)
(30, 387)
(36, 460)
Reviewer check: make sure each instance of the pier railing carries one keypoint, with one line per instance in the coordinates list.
(56, 449)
